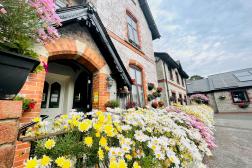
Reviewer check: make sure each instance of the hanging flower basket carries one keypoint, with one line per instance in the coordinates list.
(243, 104)
(151, 86)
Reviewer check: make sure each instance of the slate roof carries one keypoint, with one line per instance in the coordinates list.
(150, 20)
(171, 63)
(223, 81)
(86, 16)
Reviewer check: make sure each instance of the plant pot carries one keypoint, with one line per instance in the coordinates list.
(14, 69)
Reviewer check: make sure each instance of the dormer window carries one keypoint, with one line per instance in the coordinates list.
(132, 30)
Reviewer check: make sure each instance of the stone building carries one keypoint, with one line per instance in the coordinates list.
(229, 92)
(172, 78)
(104, 46)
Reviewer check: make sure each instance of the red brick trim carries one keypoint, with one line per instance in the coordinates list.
(129, 46)
(140, 66)
(163, 80)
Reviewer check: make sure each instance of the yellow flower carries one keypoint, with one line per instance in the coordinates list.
(85, 125)
(98, 127)
(100, 154)
(49, 144)
(122, 164)
(45, 161)
(88, 141)
(98, 134)
(65, 116)
(109, 130)
(136, 165)
(106, 148)
(103, 142)
(113, 164)
(129, 157)
(101, 118)
(63, 162)
(37, 119)
(31, 163)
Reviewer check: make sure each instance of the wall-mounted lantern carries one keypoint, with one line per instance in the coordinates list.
(110, 81)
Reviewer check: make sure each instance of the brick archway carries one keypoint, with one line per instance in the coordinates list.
(141, 67)
(63, 48)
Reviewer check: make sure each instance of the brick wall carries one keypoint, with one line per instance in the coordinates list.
(10, 111)
(64, 48)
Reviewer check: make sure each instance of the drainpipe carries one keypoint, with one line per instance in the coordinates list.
(166, 83)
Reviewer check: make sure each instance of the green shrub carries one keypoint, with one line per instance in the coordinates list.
(112, 104)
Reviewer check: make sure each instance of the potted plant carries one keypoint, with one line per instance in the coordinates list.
(150, 97)
(130, 104)
(112, 104)
(161, 103)
(28, 104)
(151, 86)
(159, 89)
(154, 104)
(23, 23)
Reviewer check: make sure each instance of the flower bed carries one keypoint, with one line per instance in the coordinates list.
(172, 137)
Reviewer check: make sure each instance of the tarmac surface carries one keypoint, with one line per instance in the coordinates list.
(234, 139)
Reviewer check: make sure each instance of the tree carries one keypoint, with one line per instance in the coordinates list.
(196, 77)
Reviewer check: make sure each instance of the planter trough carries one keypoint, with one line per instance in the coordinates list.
(14, 69)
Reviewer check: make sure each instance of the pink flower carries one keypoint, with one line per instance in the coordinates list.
(2, 10)
(45, 65)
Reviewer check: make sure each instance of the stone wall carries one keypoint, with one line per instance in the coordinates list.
(10, 112)
(169, 86)
(227, 105)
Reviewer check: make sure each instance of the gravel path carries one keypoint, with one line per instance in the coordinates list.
(234, 139)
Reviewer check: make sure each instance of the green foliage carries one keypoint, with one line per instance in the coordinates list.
(112, 104)
(18, 28)
(26, 102)
(69, 144)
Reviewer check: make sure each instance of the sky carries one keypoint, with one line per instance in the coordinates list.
(207, 36)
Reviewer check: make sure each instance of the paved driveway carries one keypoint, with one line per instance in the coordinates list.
(234, 139)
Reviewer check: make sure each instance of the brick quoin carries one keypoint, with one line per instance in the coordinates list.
(63, 48)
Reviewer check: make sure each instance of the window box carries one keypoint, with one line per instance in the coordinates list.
(14, 69)
(243, 104)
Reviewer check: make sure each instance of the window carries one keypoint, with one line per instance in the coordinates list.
(180, 99)
(137, 88)
(55, 95)
(174, 97)
(185, 99)
(183, 82)
(239, 96)
(171, 74)
(177, 77)
(132, 31)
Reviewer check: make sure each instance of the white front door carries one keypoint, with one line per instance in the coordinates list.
(54, 95)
